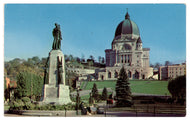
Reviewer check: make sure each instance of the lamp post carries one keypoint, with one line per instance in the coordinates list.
(77, 100)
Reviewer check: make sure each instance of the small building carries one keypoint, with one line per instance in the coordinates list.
(171, 71)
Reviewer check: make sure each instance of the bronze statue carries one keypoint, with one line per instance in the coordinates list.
(57, 37)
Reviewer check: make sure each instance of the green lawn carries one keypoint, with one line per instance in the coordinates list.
(101, 84)
(137, 86)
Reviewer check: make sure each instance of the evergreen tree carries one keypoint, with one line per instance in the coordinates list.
(95, 92)
(123, 92)
(177, 87)
(104, 94)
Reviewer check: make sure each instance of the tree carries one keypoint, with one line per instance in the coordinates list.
(104, 94)
(66, 58)
(36, 60)
(71, 79)
(71, 58)
(99, 59)
(78, 59)
(91, 57)
(43, 61)
(157, 65)
(123, 92)
(21, 90)
(151, 65)
(103, 60)
(167, 63)
(177, 87)
(95, 92)
(90, 62)
(82, 58)
(29, 85)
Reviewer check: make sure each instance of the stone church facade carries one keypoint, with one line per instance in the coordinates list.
(126, 50)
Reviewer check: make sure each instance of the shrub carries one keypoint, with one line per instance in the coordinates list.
(26, 99)
(29, 106)
(16, 105)
(104, 94)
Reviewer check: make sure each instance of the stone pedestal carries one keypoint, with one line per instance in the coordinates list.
(55, 89)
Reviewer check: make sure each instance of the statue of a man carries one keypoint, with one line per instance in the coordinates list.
(57, 37)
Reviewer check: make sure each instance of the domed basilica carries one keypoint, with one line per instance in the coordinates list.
(126, 50)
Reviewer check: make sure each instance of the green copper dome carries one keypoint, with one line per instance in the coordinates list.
(127, 27)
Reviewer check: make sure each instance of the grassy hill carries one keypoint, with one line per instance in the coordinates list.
(137, 86)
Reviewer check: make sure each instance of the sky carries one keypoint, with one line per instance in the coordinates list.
(88, 29)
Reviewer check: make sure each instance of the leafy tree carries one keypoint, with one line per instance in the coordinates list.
(28, 85)
(95, 91)
(21, 90)
(71, 79)
(151, 65)
(123, 92)
(43, 61)
(66, 58)
(90, 62)
(36, 60)
(78, 59)
(167, 63)
(177, 87)
(99, 59)
(104, 94)
(91, 57)
(82, 58)
(71, 58)
(157, 65)
(103, 60)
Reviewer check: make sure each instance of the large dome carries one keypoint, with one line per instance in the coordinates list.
(127, 27)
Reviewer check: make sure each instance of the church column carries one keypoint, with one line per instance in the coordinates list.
(116, 57)
(123, 58)
(126, 58)
(119, 58)
(130, 58)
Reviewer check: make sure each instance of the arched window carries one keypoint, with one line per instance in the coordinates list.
(116, 74)
(126, 47)
(136, 75)
(109, 74)
(102, 77)
(129, 74)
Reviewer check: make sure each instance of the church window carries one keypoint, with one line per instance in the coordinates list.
(129, 74)
(116, 74)
(121, 58)
(136, 75)
(128, 59)
(126, 47)
(125, 59)
(109, 74)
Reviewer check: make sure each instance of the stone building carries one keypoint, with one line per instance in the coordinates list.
(171, 71)
(126, 50)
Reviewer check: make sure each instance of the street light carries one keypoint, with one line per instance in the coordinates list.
(77, 100)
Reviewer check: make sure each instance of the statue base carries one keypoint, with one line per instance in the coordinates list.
(55, 90)
(56, 95)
